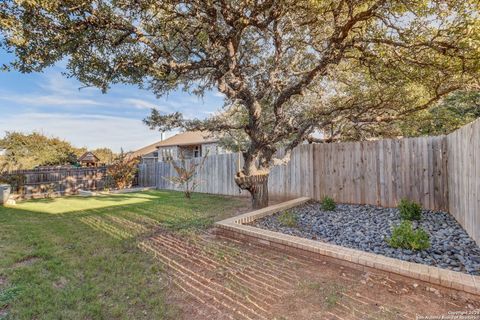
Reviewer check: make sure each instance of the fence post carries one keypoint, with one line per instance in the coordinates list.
(156, 174)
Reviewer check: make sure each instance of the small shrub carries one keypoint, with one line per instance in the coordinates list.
(187, 172)
(328, 204)
(122, 172)
(404, 236)
(288, 219)
(409, 210)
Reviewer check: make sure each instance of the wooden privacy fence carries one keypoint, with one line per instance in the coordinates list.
(378, 172)
(441, 173)
(216, 175)
(61, 180)
(464, 177)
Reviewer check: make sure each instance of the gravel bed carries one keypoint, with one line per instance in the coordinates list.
(366, 227)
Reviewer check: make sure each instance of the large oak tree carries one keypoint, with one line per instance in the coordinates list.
(278, 62)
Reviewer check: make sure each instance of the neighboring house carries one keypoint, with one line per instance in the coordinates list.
(88, 159)
(193, 144)
(148, 154)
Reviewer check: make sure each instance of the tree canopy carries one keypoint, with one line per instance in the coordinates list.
(105, 155)
(27, 151)
(442, 117)
(368, 109)
(450, 114)
(287, 68)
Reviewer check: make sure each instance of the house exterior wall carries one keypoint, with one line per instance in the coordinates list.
(173, 152)
(212, 149)
(167, 153)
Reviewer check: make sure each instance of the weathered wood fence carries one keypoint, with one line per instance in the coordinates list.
(464, 177)
(441, 173)
(377, 172)
(61, 180)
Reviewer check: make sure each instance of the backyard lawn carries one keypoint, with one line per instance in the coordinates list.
(78, 258)
(150, 255)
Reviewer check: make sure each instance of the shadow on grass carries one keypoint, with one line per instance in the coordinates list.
(124, 216)
(82, 253)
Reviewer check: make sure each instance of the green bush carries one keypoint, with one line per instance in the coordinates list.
(288, 219)
(328, 204)
(409, 210)
(403, 236)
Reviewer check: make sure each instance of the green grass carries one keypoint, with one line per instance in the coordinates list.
(77, 258)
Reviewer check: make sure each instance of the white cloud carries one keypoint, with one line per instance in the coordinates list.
(50, 103)
(48, 100)
(92, 131)
(59, 84)
(141, 104)
(53, 90)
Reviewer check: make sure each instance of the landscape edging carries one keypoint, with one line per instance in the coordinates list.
(235, 227)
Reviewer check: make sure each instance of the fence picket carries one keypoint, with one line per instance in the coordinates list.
(442, 173)
(60, 180)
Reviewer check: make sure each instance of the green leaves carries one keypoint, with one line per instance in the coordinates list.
(25, 151)
(164, 122)
(409, 210)
(403, 236)
(451, 113)
(328, 204)
(353, 70)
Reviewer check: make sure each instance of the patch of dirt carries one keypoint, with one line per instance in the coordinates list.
(219, 278)
(245, 206)
(3, 282)
(60, 283)
(26, 261)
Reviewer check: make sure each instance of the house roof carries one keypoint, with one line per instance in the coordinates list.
(181, 139)
(88, 157)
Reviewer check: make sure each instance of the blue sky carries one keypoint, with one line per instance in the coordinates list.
(50, 103)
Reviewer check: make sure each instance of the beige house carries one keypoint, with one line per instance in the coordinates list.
(193, 144)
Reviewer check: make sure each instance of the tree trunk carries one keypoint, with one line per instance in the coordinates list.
(259, 194)
(257, 185)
